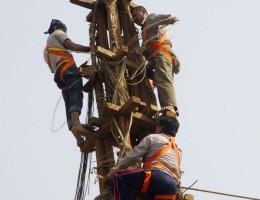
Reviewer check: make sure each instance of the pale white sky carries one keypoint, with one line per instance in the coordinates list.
(218, 91)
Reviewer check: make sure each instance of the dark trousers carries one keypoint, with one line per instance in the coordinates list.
(72, 95)
(132, 179)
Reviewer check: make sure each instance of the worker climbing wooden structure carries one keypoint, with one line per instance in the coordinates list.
(125, 101)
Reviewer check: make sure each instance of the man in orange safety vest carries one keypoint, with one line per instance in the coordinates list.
(161, 158)
(60, 61)
(162, 61)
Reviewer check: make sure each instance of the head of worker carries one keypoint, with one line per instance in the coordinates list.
(139, 14)
(168, 123)
(56, 25)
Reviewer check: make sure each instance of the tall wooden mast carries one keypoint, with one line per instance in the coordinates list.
(126, 104)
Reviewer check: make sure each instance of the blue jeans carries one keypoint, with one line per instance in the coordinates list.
(161, 183)
(72, 95)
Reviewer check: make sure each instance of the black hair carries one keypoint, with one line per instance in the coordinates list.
(170, 125)
(139, 8)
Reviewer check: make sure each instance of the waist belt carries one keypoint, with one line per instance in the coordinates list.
(63, 69)
(65, 58)
(69, 63)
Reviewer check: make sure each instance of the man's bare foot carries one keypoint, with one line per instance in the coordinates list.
(80, 140)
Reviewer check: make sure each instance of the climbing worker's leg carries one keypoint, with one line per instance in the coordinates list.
(72, 118)
(74, 83)
(61, 85)
(127, 180)
(72, 95)
(74, 128)
(164, 80)
(65, 96)
(167, 188)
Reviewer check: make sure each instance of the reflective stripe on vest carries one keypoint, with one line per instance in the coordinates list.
(158, 46)
(149, 164)
(64, 58)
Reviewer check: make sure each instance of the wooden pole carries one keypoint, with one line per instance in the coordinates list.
(103, 147)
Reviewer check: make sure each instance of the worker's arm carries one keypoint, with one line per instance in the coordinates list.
(166, 19)
(135, 155)
(158, 20)
(75, 47)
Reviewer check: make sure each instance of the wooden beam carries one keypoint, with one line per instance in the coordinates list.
(111, 109)
(132, 5)
(123, 51)
(105, 53)
(188, 197)
(87, 132)
(88, 146)
(94, 121)
(130, 105)
(90, 4)
(105, 129)
(143, 121)
(88, 87)
(89, 17)
(142, 106)
(150, 110)
(86, 71)
(130, 65)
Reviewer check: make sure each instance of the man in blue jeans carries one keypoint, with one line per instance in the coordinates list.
(161, 158)
(60, 61)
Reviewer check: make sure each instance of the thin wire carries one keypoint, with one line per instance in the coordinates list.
(220, 193)
(53, 118)
(189, 187)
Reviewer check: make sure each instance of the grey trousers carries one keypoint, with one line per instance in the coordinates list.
(164, 80)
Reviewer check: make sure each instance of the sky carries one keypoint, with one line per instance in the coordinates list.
(218, 92)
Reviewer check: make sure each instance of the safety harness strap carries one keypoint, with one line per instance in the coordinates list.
(158, 164)
(158, 46)
(147, 179)
(149, 164)
(65, 58)
(157, 154)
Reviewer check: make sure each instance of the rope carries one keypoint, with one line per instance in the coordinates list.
(111, 12)
(220, 193)
(119, 93)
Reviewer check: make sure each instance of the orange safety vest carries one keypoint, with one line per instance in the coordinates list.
(64, 58)
(158, 46)
(149, 164)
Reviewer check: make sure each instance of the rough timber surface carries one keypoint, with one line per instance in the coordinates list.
(113, 39)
